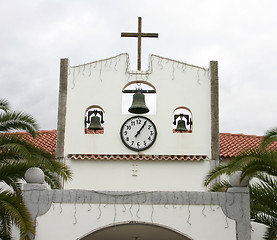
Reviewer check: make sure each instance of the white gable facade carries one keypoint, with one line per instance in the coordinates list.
(153, 193)
(172, 160)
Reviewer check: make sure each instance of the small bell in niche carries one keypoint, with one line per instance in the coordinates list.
(95, 121)
(138, 106)
(181, 125)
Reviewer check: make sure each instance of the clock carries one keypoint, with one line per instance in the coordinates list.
(138, 133)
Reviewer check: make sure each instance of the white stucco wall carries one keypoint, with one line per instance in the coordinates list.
(258, 231)
(75, 220)
(138, 175)
(101, 83)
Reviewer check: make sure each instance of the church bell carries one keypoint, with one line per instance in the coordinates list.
(138, 106)
(181, 126)
(95, 123)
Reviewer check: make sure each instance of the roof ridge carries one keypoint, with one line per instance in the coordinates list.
(47, 131)
(39, 131)
(242, 134)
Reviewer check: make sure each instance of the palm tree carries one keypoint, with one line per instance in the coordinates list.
(260, 164)
(264, 204)
(16, 156)
(13, 211)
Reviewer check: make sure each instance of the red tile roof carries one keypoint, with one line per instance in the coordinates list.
(45, 139)
(230, 145)
(233, 144)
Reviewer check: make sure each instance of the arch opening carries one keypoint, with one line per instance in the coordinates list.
(135, 231)
(182, 116)
(147, 89)
(96, 112)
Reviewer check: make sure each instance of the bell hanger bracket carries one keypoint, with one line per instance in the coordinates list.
(181, 115)
(138, 90)
(95, 112)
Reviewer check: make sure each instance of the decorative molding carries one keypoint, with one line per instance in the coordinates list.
(234, 203)
(137, 157)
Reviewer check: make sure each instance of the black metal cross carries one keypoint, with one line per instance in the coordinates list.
(139, 35)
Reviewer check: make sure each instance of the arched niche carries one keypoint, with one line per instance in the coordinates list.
(182, 114)
(135, 230)
(94, 111)
(147, 89)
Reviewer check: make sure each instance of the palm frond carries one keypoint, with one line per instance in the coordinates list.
(4, 105)
(5, 227)
(271, 233)
(52, 180)
(244, 158)
(12, 206)
(13, 147)
(261, 164)
(12, 172)
(263, 196)
(270, 137)
(18, 154)
(220, 186)
(254, 160)
(215, 173)
(268, 166)
(269, 180)
(11, 121)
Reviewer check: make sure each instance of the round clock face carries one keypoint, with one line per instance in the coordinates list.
(138, 133)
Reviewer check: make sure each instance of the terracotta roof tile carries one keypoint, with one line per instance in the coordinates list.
(233, 144)
(87, 131)
(45, 139)
(188, 131)
(230, 146)
(137, 157)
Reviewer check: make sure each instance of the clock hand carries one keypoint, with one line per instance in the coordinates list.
(141, 128)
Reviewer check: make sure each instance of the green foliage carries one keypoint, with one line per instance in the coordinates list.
(10, 121)
(13, 211)
(270, 137)
(16, 157)
(263, 203)
(4, 105)
(259, 164)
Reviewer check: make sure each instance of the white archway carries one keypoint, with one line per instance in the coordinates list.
(135, 231)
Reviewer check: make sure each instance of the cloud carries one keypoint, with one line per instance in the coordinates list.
(241, 35)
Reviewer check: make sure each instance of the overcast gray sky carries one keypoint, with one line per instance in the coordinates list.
(240, 34)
